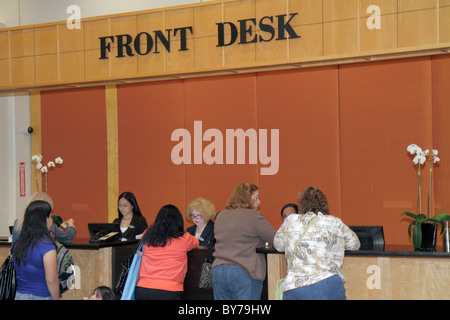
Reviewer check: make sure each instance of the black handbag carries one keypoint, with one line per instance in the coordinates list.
(124, 271)
(8, 282)
(206, 271)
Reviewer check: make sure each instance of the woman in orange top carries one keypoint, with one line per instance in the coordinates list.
(164, 262)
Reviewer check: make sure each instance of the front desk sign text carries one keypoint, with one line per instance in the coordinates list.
(228, 33)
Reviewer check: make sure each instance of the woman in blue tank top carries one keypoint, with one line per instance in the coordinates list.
(35, 256)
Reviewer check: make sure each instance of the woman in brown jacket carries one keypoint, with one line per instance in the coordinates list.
(238, 271)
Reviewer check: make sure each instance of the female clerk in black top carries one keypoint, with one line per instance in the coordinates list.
(132, 223)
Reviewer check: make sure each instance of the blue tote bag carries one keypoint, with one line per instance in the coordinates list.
(133, 274)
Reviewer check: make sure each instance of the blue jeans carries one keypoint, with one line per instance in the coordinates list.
(29, 296)
(331, 288)
(233, 283)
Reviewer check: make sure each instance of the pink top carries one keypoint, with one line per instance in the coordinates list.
(165, 268)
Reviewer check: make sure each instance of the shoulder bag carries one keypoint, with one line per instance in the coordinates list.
(125, 268)
(8, 282)
(280, 283)
(133, 274)
(65, 268)
(205, 281)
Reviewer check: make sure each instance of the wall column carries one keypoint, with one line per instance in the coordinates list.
(36, 136)
(112, 150)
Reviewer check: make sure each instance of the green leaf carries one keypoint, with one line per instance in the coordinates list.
(418, 217)
(409, 228)
(421, 218)
(417, 235)
(409, 214)
(442, 226)
(440, 217)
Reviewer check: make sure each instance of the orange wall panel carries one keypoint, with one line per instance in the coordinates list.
(74, 128)
(220, 103)
(147, 115)
(303, 105)
(344, 129)
(384, 107)
(441, 131)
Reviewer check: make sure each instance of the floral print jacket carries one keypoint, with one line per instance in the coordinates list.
(320, 253)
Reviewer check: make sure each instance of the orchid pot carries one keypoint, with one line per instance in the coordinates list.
(424, 230)
(424, 227)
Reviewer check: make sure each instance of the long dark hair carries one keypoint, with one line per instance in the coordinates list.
(34, 229)
(104, 292)
(168, 225)
(132, 199)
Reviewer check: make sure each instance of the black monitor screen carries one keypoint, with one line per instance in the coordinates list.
(370, 237)
(94, 228)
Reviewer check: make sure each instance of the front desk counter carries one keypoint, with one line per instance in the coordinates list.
(392, 273)
(97, 264)
(397, 272)
(100, 265)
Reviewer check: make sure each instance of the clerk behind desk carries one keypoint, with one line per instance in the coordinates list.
(132, 223)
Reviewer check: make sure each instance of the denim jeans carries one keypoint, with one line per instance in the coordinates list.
(29, 296)
(233, 283)
(331, 288)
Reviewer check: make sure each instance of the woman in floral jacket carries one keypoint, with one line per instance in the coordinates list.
(316, 265)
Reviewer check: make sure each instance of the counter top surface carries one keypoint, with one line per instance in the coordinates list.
(388, 250)
(81, 243)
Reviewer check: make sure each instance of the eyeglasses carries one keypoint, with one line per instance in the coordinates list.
(196, 216)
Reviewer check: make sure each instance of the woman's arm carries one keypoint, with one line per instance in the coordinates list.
(51, 274)
(264, 229)
(351, 239)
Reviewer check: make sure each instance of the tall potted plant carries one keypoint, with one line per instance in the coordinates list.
(424, 226)
(39, 168)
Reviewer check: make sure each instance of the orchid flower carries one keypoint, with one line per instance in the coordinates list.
(413, 148)
(37, 158)
(420, 158)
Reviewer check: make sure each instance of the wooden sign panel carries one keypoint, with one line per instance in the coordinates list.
(217, 37)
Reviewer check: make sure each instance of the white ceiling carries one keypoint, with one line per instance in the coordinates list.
(15, 13)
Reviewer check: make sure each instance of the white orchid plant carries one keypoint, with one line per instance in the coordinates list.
(43, 169)
(420, 158)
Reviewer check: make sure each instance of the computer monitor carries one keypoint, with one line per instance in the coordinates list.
(370, 237)
(104, 232)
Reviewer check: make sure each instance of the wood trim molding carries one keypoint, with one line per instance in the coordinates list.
(36, 137)
(112, 146)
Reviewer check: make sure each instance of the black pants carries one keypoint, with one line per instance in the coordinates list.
(156, 294)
